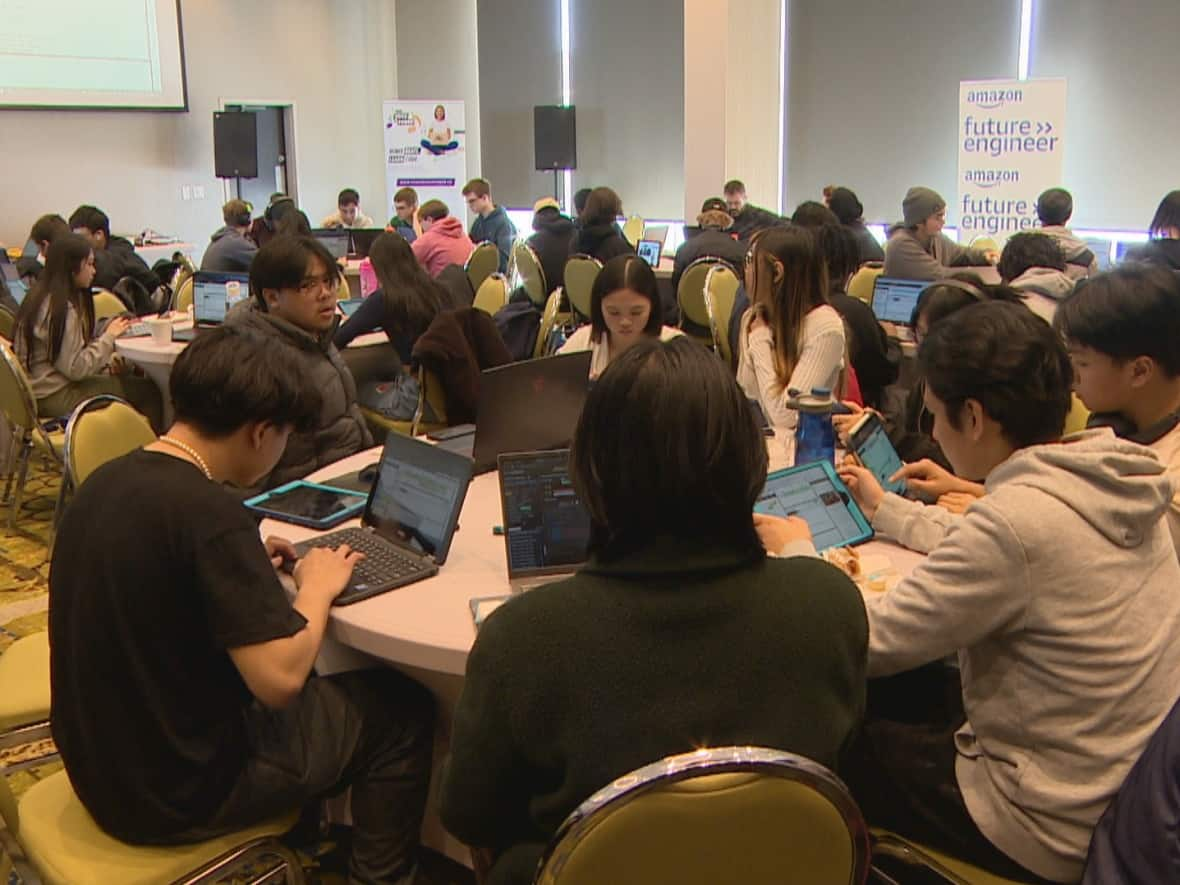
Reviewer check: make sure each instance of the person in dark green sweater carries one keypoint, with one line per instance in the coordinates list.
(680, 632)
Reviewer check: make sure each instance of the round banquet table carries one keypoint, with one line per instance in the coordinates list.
(426, 629)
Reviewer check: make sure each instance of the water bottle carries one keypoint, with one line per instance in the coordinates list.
(815, 438)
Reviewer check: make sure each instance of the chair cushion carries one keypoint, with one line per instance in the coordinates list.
(65, 845)
(24, 682)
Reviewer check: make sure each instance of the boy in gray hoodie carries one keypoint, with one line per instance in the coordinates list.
(1057, 590)
(1033, 265)
(1054, 209)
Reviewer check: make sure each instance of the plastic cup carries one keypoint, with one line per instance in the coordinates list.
(161, 330)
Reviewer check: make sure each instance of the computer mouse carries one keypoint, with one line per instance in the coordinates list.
(368, 474)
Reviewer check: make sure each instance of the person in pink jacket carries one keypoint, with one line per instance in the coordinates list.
(443, 240)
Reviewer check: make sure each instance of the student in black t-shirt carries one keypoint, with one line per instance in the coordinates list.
(182, 703)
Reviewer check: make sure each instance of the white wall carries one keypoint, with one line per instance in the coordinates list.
(437, 58)
(335, 60)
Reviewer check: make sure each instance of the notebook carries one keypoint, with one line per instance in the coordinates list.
(546, 528)
(409, 520)
(533, 405)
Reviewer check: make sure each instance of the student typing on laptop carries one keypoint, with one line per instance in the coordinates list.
(182, 703)
(293, 306)
(55, 339)
(573, 684)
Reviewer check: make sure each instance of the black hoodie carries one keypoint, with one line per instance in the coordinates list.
(552, 242)
(1165, 253)
(602, 241)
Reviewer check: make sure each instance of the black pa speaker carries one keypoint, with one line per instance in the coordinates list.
(554, 139)
(235, 144)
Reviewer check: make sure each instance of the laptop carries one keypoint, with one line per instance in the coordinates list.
(546, 528)
(657, 232)
(528, 406)
(335, 240)
(649, 251)
(409, 519)
(16, 286)
(894, 300)
(362, 240)
(214, 293)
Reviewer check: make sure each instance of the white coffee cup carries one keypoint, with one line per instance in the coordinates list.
(161, 330)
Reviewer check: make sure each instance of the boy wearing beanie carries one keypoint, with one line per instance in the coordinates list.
(917, 249)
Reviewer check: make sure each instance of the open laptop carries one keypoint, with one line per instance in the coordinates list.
(335, 240)
(213, 296)
(362, 240)
(649, 251)
(524, 407)
(409, 520)
(16, 286)
(894, 300)
(546, 528)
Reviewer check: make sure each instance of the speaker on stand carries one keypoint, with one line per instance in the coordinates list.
(555, 143)
(235, 145)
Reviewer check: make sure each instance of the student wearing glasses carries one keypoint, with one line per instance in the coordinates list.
(293, 283)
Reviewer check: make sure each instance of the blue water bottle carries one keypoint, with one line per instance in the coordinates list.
(815, 438)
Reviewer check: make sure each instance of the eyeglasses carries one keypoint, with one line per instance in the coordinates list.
(314, 285)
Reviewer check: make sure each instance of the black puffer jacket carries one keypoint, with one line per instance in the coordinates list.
(552, 242)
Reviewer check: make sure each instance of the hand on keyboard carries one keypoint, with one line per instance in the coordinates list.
(323, 570)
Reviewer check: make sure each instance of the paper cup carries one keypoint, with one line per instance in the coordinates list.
(161, 330)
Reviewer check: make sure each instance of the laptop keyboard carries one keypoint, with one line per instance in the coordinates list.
(383, 568)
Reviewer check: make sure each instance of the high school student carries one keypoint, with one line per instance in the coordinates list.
(55, 339)
(678, 633)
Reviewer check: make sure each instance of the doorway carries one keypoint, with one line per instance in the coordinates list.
(276, 144)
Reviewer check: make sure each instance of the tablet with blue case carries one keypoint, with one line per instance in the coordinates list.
(817, 495)
(309, 504)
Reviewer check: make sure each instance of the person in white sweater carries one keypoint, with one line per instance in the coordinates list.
(791, 338)
(1057, 590)
(624, 309)
(54, 339)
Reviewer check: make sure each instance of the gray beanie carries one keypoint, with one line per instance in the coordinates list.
(919, 204)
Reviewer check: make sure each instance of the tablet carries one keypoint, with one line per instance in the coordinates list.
(309, 504)
(870, 443)
(816, 494)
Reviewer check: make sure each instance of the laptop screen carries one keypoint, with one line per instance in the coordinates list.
(362, 240)
(16, 286)
(335, 241)
(649, 251)
(546, 528)
(418, 495)
(894, 300)
(215, 293)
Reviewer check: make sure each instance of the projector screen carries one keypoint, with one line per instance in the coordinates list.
(86, 54)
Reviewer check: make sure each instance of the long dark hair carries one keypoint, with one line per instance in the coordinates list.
(667, 444)
(625, 272)
(67, 253)
(411, 296)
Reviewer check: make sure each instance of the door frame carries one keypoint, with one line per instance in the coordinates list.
(290, 131)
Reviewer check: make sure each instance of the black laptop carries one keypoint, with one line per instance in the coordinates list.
(409, 521)
(362, 240)
(528, 406)
(214, 293)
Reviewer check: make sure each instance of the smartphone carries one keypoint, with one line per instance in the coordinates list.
(869, 442)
